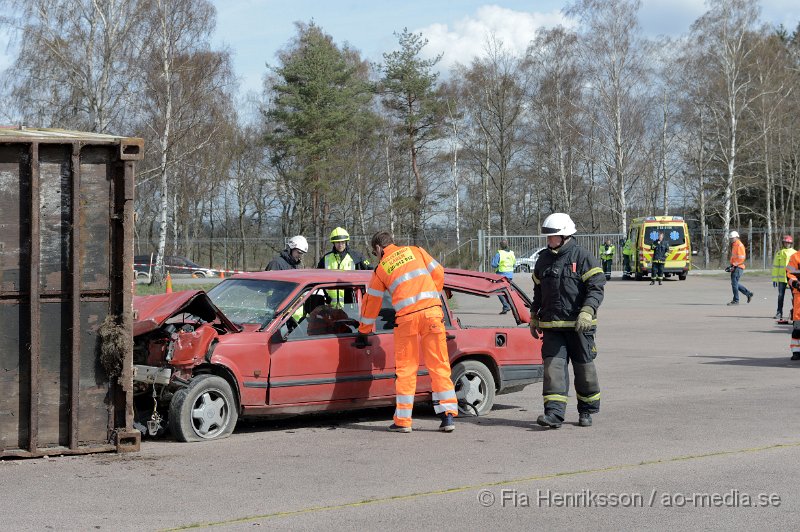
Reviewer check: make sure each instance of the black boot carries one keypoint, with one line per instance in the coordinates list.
(652, 283)
(549, 420)
(585, 420)
(659, 282)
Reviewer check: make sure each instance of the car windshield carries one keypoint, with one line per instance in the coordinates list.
(673, 234)
(250, 300)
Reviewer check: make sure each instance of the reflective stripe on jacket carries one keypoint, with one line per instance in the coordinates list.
(779, 264)
(793, 268)
(738, 254)
(410, 276)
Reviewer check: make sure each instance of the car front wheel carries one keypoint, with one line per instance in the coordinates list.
(205, 410)
(523, 268)
(474, 386)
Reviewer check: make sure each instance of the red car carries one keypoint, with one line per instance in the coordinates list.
(281, 342)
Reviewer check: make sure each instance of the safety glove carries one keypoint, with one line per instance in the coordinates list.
(535, 330)
(795, 284)
(774, 284)
(584, 321)
(728, 269)
(361, 341)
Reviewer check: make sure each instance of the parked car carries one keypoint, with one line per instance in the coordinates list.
(144, 264)
(526, 262)
(274, 343)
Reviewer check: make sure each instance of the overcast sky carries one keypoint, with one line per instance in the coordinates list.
(254, 30)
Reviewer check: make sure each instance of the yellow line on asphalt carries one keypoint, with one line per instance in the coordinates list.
(458, 489)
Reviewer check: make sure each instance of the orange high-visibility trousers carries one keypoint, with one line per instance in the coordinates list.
(422, 330)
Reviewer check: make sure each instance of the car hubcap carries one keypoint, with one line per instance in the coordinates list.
(210, 414)
(470, 388)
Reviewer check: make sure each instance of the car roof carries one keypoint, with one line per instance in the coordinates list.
(454, 278)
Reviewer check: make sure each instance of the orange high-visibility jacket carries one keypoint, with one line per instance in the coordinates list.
(738, 254)
(793, 268)
(411, 277)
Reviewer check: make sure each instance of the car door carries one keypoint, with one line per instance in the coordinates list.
(313, 359)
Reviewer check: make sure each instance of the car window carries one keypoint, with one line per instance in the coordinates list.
(322, 315)
(250, 300)
(674, 235)
(479, 310)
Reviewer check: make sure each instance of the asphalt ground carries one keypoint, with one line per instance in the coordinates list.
(698, 429)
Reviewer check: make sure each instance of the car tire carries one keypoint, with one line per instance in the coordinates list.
(205, 410)
(524, 268)
(474, 385)
(639, 276)
(198, 275)
(681, 276)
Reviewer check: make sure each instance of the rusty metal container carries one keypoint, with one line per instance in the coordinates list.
(66, 227)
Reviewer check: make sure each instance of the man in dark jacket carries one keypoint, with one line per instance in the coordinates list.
(291, 257)
(660, 249)
(567, 291)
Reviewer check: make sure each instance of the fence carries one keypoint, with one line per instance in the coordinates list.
(474, 253)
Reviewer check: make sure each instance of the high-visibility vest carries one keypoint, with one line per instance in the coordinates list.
(507, 261)
(607, 252)
(332, 262)
(410, 276)
(779, 264)
(627, 249)
(738, 254)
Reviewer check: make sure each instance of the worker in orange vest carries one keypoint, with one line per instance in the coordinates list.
(736, 269)
(792, 275)
(413, 281)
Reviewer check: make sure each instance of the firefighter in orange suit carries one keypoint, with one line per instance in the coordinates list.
(413, 280)
(793, 277)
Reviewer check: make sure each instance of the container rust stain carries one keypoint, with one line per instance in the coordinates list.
(66, 218)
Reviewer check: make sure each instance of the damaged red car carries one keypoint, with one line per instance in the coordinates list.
(281, 342)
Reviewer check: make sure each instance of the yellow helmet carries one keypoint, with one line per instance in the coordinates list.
(339, 235)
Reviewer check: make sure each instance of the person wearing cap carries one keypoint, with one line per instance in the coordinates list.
(736, 269)
(779, 264)
(568, 285)
(291, 257)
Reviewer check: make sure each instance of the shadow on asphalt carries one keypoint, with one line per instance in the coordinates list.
(774, 362)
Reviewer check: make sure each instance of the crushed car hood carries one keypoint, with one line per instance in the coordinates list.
(153, 311)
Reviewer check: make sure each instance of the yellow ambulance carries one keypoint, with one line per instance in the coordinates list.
(643, 231)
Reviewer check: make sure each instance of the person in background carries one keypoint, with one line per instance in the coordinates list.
(627, 253)
(779, 264)
(660, 249)
(291, 257)
(342, 257)
(793, 277)
(736, 269)
(607, 256)
(503, 263)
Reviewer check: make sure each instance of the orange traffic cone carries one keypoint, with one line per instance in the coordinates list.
(221, 274)
(169, 283)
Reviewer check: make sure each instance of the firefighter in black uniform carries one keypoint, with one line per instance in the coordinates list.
(568, 289)
(660, 249)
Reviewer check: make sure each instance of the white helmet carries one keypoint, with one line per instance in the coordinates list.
(558, 223)
(298, 242)
(733, 234)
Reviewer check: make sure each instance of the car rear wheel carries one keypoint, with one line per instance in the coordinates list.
(198, 275)
(205, 410)
(682, 276)
(475, 387)
(523, 268)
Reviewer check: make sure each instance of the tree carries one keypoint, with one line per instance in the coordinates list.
(723, 36)
(612, 58)
(410, 95)
(320, 101)
(76, 62)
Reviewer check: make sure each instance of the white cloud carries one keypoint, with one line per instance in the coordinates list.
(466, 38)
